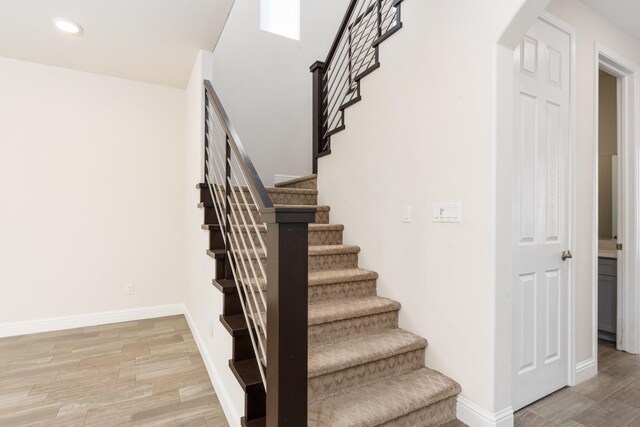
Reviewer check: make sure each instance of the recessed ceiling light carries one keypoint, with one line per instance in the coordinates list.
(68, 26)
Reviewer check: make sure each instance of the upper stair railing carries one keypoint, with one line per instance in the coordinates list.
(353, 55)
(276, 318)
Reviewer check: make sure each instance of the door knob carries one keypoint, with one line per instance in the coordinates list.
(566, 255)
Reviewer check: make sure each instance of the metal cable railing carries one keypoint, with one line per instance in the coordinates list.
(251, 228)
(237, 202)
(352, 56)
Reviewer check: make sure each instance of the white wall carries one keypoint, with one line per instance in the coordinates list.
(424, 133)
(203, 301)
(91, 180)
(264, 82)
(590, 29)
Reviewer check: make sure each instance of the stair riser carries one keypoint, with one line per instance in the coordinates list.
(360, 289)
(311, 184)
(336, 291)
(316, 238)
(294, 199)
(333, 262)
(322, 217)
(351, 327)
(432, 415)
(317, 262)
(279, 198)
(319, 334)
(328, 384)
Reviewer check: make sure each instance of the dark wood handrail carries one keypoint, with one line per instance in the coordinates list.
(341, 31)
(254, 182)
(287, 274)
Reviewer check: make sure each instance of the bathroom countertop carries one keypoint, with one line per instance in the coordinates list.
(604, 253)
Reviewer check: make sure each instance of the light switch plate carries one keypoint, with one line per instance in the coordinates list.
(406, 213)
(447, 212)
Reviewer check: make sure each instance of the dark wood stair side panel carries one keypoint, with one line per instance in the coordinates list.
(205, 196)
(217, 253)
(386, 35)
(247, 374)
(210, 216)
(231, 304)
(235, 324)
(215, 240)
(226, 286)
(353, 101)
(258, 422)
(336, 130)
(242, 348)
(255, 404)
(366, 72)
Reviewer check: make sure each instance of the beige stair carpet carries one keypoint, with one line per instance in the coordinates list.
(363, 370)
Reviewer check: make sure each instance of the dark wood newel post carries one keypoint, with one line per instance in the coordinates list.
(287, 314)
(317, 110)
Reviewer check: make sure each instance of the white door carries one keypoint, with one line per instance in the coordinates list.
(540, 288)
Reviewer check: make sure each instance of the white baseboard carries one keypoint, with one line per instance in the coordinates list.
(11, 329)
(585, 370)
(475, 416)
(282, 178)
(233, 418)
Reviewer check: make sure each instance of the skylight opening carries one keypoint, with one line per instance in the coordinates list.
(281, 17)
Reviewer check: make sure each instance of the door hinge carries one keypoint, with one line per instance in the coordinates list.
(618, 246)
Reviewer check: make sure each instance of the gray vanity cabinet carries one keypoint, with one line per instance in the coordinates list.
(607, 298)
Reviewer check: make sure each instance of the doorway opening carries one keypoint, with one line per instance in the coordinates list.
(616, 290)
(609, 202)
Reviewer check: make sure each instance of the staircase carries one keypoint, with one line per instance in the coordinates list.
(362, 369)
(313, 343)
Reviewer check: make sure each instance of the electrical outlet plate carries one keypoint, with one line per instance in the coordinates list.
(129, 289)
(447, 212)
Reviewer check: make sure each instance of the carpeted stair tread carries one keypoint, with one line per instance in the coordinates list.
(332, 311)
(295, 181)
(358, 350)
(333, 249)
(330, 277)
(348, 308)
(382, 401)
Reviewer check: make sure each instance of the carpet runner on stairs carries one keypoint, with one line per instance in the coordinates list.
(363, 369)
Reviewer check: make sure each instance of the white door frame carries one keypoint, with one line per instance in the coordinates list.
(628, 321)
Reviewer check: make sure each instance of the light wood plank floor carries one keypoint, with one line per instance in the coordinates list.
(140, 373)
(610, 399)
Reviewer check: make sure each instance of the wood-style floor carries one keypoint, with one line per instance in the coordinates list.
(610, 399)
(140, 373)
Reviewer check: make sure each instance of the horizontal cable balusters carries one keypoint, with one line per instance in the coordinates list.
(353, 55)
(236, 208)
